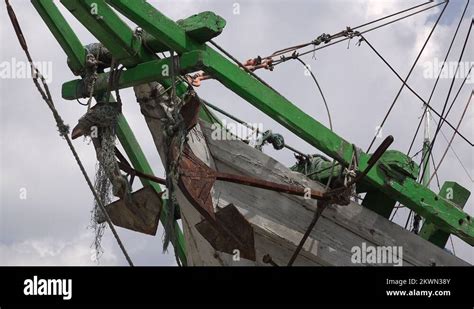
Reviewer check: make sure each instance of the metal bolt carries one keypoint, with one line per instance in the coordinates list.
(267, 259)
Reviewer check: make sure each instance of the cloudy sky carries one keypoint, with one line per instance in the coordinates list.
(44, 202)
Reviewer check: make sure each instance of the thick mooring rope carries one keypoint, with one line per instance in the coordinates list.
(62, 128)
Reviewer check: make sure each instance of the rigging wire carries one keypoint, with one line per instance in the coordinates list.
(418, 96)
(416, 154)
(262, 81)
(397, 206)
(452, 138)
(230, 56)
(319, 88)
(452, 103)
(320, 171)
(236, 61)
(365, 31)
(419, 180)
(247, 125)
(320, 207)
(439, 75)
(435, 172)
(456, 155)
(452, 244)
(442, 119)
(408, 75)
(459, 90)
(394, 14)
(62, 127)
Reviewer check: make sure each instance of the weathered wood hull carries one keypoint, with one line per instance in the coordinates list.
(280, 220)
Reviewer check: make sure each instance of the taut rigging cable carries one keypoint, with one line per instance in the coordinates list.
(362, 32)
(438, 77)
(408, 75)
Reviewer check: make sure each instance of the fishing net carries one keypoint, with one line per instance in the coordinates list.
(108, 179)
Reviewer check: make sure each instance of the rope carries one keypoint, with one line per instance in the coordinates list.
(416, 154)
(62, 128)
(236, 61)
(174, 129)
(406, 78)
(438, 77)
(91, 76)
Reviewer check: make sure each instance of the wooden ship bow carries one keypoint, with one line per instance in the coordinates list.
(222, 201)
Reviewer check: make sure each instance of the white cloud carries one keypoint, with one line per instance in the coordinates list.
(50, 251)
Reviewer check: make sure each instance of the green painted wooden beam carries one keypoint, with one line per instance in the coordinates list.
(406, 190)
(451, 192)
(145, 72)
(63, 33)
(203, 26)
(200, 31)
(111, 31)
(72, 46)
(396, 166)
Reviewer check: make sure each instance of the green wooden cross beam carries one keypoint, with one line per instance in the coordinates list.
(155, 70)
(404, 189)
(114, 33)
